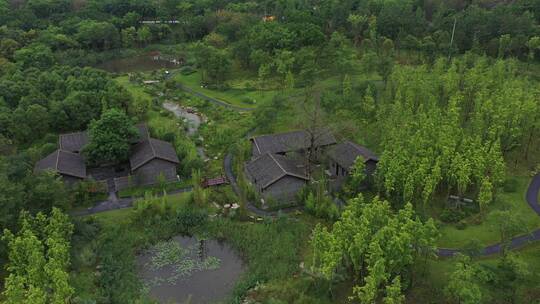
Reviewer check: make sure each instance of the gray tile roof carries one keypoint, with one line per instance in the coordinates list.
(63, 162)
(75, 142)
(149, 149)
(291, 141)
(269, 168)
(143, 133)
(346, 153)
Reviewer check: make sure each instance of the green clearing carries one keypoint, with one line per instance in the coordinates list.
(242, 93)
(153, 189)
(238, 94)
(486, 232)
(135, 90)
(114, 217)
(439, 270)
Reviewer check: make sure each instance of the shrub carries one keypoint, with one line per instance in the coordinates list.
(247, 100)
(48, 148)
(510, 185)
(118, 278)
(452, 215)
(250, 85)
(169, 137)
(187, 70)
(188, 218)
(461, 225)
(321, 206)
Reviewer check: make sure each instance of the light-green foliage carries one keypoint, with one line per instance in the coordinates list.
(321, 205)
(375, 245)
(198, 194)
(455, 124)
(463, 285)
(39, 260)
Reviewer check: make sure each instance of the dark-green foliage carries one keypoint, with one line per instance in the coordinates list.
(118, 280)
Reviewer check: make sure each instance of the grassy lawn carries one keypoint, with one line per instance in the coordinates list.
(486, 232)
(136, 90)
(240, 94)
(153, 189)
(114, 217)
(237, 95)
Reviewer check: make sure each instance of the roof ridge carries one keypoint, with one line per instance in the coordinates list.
(71, 133)
(277, 162)
(279, 133)
(355, 145)
(287, 172)
(57, 159)
(152, 147)
(256, 144)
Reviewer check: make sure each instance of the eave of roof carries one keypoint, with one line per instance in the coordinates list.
(283, 172)
(150, 142)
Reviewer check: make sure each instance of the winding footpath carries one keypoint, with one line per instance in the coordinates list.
(518, 241)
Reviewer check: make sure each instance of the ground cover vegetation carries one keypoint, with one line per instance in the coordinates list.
(446, 93)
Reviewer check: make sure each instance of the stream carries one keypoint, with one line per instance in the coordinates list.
(193, 120)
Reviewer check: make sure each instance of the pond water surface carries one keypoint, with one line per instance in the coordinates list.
(135, 64)
(206, 272)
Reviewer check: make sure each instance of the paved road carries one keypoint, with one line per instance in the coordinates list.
(532, 200)
(532, 194)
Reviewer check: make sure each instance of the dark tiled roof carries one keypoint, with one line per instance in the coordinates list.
(63, 162)
(269, 168)
(291, 141)
(143, 133)
(346, 153)
(75, 142)
(149, 149)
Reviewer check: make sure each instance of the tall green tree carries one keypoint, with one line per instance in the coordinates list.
(39, 260)
(375, 246)
(110, 138)
(464, 283)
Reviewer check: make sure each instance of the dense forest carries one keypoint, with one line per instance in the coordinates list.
(446, 93)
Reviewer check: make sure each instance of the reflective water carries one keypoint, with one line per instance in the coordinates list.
(199, 286)
(135, 64)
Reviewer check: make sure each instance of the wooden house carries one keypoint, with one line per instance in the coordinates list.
(295, 141)
(70, 166)
(276, 177)
(342, 157)
(151, 158)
